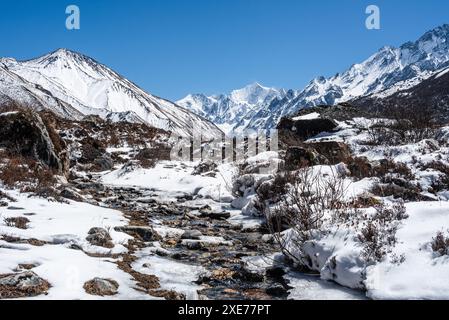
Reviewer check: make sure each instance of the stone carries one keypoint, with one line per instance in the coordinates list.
(24, 284)
(218, 215)
(276, 290)
(193, 245)
(191, 234)
(144, 232)
(101, 287)
(167, 294)
(275, 272)
(100, 237)
(104, 162)
(204, 167)
(71, 194)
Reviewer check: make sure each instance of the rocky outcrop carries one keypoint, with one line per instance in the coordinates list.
(25, 133)
(293, 132)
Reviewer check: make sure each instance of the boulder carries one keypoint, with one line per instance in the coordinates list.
(104, 162)
(291, 131)
(24, 284)
(25, 133)
(101, 287)
(146, 233)
(100, 237)
(217, 215)
(191, 234)
(204, 167)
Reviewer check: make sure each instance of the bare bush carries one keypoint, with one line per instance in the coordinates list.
(378, 235)
(440, 244)
(17, 222)
(395, 212)
(403, 124)
(28, 175)
(376, 240)
(309, 202)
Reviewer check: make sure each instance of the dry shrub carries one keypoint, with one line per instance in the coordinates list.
(13, 171)
(17, 222)
(360, 167)
(376, 241)
(273, 190)
(440, 244)
(378, 234)
(443, 182)
(405, 124)
(30, 176)
(304, 207)
(388, 167)
(398, 189)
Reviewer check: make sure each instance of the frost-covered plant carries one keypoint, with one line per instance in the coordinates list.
(378, 235)
(440, 244)
(395, 212)
(312, 200)
(377, 238)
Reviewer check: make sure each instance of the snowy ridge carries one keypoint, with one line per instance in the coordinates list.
(227, 110)
(75, 80)
(385, 72)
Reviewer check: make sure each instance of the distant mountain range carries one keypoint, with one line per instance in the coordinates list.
(74, 85)
(383, 74)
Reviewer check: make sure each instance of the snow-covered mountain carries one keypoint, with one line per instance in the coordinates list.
(226, 110)
(74, 85)
(387, 71)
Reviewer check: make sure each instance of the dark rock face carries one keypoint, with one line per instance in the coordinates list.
(294, 131)
(25, 133)
(297, 157)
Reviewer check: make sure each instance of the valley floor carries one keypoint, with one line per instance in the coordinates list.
(229, 256)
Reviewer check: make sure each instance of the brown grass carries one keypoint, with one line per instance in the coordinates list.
(17, 222)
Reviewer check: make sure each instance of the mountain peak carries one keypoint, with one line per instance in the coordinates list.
(61, 55)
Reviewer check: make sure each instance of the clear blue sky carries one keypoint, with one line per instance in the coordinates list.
(174, 47)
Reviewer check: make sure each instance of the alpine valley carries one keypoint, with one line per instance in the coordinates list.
(353, 204)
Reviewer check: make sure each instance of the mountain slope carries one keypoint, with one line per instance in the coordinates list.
(432, 95)
(92, 88)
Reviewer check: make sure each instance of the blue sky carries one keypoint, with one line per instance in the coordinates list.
(175, 47)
